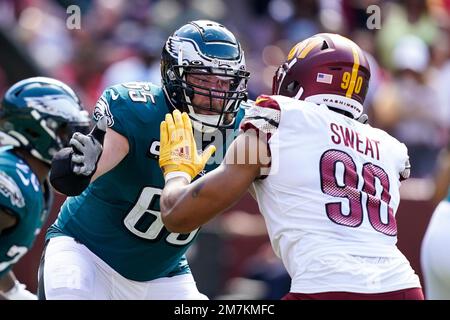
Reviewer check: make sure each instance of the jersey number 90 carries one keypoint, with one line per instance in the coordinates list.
(346, 185)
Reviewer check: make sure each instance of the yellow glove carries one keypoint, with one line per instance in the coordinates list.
(178, 151)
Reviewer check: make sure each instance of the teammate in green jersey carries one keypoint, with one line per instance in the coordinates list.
(109, 241)
(37, 118)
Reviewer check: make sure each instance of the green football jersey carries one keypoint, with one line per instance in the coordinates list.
(21, 195)
(118, 216)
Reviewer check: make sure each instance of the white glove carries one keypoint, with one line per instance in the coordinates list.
(19, 292)
(88, 148)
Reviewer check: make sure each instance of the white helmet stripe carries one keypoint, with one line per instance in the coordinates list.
(19, 137)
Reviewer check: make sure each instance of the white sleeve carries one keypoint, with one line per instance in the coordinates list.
(263, 116)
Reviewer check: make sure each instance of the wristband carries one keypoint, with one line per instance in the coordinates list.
(176, 174)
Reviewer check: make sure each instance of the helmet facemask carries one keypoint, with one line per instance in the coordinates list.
(211, 96)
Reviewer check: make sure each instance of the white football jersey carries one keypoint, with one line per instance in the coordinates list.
(330, 198)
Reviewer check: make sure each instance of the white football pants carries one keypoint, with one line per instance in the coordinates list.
(72, 272)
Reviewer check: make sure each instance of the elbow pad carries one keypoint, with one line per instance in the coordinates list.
(62, 177)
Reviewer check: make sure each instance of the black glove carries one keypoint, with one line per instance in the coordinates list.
(73, 167)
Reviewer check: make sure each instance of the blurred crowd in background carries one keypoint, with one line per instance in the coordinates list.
(119, 41)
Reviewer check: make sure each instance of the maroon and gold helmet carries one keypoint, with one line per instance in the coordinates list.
(325, 69)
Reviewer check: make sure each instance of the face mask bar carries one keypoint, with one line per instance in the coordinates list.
(229, 99)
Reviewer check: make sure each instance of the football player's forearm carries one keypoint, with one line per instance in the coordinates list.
(115, 149)
(172, 200)
(185, 207)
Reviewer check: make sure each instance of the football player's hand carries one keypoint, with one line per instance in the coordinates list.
(178, 151)
(88, 148)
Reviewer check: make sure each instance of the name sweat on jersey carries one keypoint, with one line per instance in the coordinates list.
(330, 198)
(118, 216)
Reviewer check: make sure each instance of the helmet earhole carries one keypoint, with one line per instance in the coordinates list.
(32, 133)
(293, 87)
(324, 45)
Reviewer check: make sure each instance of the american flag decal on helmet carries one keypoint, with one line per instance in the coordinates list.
(324, 78)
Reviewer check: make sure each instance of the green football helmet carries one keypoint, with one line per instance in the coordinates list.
(201, 48)
(40, 115)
